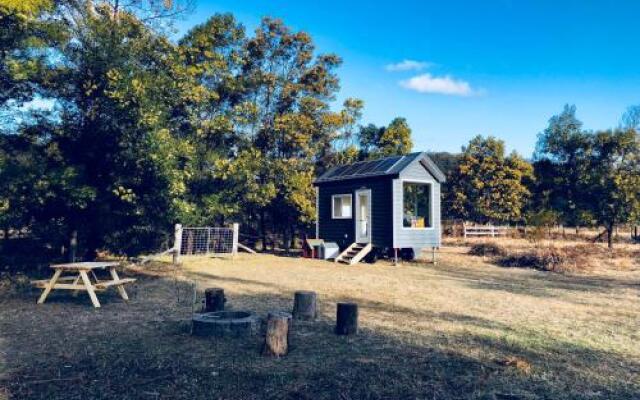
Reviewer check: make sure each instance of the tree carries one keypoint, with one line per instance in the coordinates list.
(613, 178)
(558, 156)
(111, 169)
(396, 139)
(376, 142)
(369, 139)
(144, 132)
(448, 163)
(631, 118)
(486, 186)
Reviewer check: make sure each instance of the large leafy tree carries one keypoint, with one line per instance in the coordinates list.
(396, 139)
(631, 118)
(488, 186)
(109, 156)
(380, 141)
(257, 110)
(613, 178)
(291, 89)
(140, 132)
(558, 158)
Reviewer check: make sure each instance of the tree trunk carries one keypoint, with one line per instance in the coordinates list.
(305, 305)
(92, 246)
(347, 319)
(73, 245)
(285, 239)
(263, 231)
(292, 242)
(276, 341)
(610, 236)
(214, 299)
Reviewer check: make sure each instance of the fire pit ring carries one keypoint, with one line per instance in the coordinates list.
(226, 323)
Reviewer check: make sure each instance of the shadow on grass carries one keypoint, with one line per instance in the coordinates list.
(143, 350)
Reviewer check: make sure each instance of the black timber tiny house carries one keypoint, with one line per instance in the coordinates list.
(385, 206)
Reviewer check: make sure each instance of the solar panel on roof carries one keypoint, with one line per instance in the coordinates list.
(387, 163)
(351, 170)
(371, 166)
(338, 171)
(363, 168)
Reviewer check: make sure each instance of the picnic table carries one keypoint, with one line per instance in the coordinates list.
(80, 276)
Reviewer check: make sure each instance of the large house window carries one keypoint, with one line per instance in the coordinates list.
(416, 211)
(341, 206)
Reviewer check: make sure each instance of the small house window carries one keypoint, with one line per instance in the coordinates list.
(341, 206)
(416, 212)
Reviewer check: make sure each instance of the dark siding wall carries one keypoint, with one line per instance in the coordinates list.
(334, 230)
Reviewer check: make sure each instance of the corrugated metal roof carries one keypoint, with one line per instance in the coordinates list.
(380, 167)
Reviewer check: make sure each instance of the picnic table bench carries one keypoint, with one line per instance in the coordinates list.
(81, 277)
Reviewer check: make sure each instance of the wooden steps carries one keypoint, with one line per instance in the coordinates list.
(354, 253)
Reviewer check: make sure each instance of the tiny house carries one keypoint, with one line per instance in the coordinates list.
(389, 206)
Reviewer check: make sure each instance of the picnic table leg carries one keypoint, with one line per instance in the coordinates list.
(75, 282)
(115, 277)
(50, 286)
(89, 286)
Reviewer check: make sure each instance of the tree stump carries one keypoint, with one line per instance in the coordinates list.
(276, 341)
(304, 305)
(289, 320)
(214, 299)
(347, 319)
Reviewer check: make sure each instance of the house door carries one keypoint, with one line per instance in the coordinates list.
(363, 216)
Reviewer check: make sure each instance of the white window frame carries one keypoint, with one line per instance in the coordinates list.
(431, 204)
(333, 203)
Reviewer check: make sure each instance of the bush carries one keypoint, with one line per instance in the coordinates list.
(547, 259)
(487, 249)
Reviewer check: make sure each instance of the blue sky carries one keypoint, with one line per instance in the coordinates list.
(499, 68)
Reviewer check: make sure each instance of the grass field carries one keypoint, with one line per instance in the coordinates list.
(462, 329)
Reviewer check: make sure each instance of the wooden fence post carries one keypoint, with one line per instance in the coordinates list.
(236, 234)
(208, 240)
(177, 244)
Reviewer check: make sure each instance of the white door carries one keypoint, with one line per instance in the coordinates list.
(363, 216)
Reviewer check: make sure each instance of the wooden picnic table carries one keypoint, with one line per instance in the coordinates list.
(80, 276)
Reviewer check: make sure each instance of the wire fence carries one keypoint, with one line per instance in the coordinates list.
(206, 240)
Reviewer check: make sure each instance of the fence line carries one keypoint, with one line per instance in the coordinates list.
(487, 230)
(205, 240)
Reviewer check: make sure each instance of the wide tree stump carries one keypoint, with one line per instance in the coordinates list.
(276, 341)
(214, 299)
(347, 319)
(285, 315)
(304, 305)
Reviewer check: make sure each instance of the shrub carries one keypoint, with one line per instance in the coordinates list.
(487, 249)
(547, 259)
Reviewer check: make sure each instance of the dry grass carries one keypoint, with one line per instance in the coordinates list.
(462, 329)
(552, 255)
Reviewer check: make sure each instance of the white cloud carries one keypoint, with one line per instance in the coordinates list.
(408, 65)
(427, 83)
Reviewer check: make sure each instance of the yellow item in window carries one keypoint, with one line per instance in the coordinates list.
(419, 222)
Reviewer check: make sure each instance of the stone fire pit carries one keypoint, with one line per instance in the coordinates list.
(226, 323)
